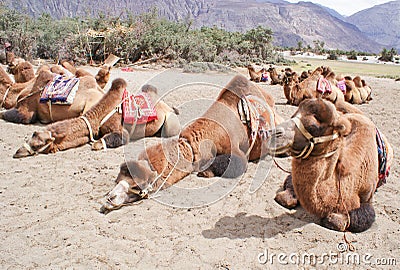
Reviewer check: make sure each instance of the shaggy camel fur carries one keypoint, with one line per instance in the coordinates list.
(23, 72)
(10, 91)
(255, 76)
(72, 133)
(334, 176)
(275, 77)
(29, 109)
(308, 88)
(218, 137)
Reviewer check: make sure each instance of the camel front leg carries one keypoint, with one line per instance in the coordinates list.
(287, 197)
(15, 116)
(111, 140)
(226, 165)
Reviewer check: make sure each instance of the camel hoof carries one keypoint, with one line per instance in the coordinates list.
(96, 146)
(335, 221)
(286, 199)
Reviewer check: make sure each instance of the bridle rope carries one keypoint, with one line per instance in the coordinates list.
(307, 150)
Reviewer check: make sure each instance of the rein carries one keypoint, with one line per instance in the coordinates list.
(307, 150)
(41, 149)
(150, 187)
(5, 96)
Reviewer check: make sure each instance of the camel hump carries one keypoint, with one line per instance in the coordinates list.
(240, 86)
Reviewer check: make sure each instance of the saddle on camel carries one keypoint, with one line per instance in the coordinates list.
(219, 143)
(110, 123)
(38, 105)
(334, 175)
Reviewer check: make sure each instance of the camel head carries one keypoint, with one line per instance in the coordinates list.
(39, 143)
(132, 176)
(312, 130)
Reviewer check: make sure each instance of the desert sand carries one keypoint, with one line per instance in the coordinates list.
(50, 203)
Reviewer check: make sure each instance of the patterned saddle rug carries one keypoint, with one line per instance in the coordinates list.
(137, 109)
(251, 110)
(342, 85)
(60, 90)
(382, 157)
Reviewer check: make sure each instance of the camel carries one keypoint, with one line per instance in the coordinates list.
(102, 125)
(309, 88)
(102, 77)
(29, 109)
(22, 72)
(255, 76)
(219, 143)
(357, 91)
(10, 91)
(334, 176)
(275, 77)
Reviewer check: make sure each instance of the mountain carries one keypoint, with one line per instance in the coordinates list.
(380, 23)
(291, 23)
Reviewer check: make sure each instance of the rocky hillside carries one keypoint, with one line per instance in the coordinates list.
(380, 23)
(290, 23)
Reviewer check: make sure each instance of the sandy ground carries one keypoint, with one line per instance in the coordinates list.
(49, 204)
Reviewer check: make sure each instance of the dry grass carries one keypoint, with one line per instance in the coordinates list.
(349, 67)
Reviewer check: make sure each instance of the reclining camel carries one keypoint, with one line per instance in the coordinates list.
(102, 125)
(310, 88)
(29, 109)
(357, 91)
(255, 76)
(275, 77)
(102, 77)
(334, 176)
(9, 90)
(223, 136)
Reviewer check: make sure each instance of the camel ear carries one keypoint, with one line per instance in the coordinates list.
(343, 126)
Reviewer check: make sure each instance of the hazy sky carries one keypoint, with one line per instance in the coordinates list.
(346, 7)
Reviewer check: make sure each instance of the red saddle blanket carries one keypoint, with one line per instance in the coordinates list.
(137, 109)
(60, 90)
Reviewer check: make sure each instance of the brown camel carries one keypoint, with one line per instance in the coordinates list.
(309, 88)
(29, 109)
(10, 91)
(275, 77)
(22, 72)
(334, 176)
(102, 77)
(222, 137)
(255, 76)
(102, 125)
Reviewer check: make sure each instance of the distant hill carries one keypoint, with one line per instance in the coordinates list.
(380, 23)
(290, 23)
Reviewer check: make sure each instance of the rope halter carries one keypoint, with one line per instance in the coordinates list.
(41, 149)
(312, 141)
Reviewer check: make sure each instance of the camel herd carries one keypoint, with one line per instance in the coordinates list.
(241, 125)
